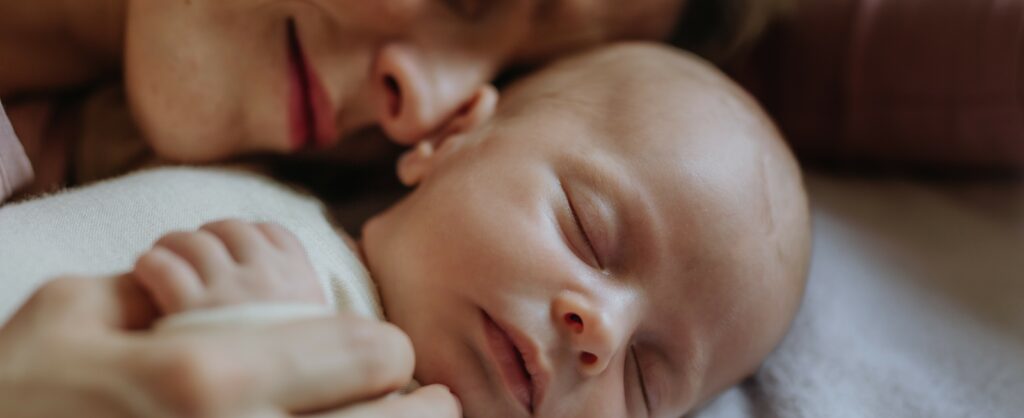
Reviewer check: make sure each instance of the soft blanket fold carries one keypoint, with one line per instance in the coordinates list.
(101, 229)
(915, 308)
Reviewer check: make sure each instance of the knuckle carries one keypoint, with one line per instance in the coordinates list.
(172, 238)
(445, 403)
(220, 223)
(174, 242)
(197, 381)
(152, 263)
(437, 399)
(274, 226)
(205, 237)
(280, 233)
(61, 290)
(224, 225)
(383, 354)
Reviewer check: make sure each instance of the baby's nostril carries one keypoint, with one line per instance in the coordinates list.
(394, 92)
(574, 321)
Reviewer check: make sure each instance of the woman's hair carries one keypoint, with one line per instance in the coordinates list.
(719, 29)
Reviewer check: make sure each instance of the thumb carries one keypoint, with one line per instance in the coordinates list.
(128, 305)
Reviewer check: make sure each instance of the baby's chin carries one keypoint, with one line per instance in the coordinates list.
(451, 360)
(475, 400)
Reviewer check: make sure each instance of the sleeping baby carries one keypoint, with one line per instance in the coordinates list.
(626, 236)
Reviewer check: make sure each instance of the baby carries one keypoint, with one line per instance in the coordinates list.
(626, 236)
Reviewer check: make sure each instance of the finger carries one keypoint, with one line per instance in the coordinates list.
(281, 237)
(169, 279)
(243, 240)
(129, 306)
(308, 365)
(111, 302)
(203, 250)
(331, 361)
(429, 402)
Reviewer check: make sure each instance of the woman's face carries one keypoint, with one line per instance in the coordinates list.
(209, 79)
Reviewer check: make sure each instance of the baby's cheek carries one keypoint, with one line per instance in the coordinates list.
(604, 398)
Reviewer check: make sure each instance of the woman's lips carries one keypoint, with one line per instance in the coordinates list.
(517, 368)
(311, 117)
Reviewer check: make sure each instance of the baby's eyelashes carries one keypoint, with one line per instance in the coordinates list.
(580, 242)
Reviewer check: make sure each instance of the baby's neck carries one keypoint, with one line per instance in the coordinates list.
(357, 248)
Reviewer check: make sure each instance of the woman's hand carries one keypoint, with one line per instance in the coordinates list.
(79, 348)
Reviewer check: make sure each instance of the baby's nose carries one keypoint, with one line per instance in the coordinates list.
(594, 334)
(594, 345)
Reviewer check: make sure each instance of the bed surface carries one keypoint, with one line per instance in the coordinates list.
(914, 308)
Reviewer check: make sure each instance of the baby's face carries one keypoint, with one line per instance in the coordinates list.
(612, 244)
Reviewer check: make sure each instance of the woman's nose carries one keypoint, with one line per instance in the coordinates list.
(596, 330)
(418, 93)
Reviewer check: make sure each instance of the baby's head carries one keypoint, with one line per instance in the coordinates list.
(627, 232)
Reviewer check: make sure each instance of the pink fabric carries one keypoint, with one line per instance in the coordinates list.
(15, 169)
(894, 81)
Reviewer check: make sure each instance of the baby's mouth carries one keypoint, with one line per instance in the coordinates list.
(510, 363)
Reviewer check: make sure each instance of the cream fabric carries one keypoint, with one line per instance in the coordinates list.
(101, 229)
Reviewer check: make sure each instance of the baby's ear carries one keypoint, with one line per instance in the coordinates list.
(417, 163)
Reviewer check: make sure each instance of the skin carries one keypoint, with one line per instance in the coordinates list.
(685, 267)
(630, 216)
(227, 263)
(208, 79)
(76, 349)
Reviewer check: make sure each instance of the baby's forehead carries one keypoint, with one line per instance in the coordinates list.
(665, 117)
(659, 114)
(623, 95)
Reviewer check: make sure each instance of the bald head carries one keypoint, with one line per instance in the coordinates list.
(633, 188)
(718, 161)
